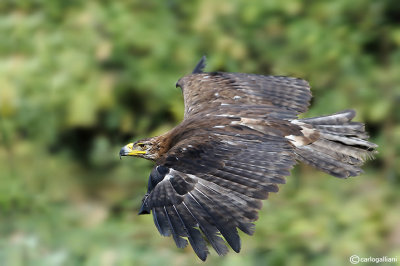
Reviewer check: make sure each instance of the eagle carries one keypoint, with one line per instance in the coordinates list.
(239, 138)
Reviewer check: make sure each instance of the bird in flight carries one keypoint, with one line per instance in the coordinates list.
(239, 138)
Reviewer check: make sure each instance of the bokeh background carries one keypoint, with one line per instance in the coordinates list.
(79, 79)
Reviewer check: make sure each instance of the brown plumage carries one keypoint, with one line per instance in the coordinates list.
(240, 136)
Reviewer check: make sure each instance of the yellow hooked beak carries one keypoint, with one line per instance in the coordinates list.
(128, 150)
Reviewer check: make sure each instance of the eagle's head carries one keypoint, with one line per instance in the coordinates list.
(145, 148)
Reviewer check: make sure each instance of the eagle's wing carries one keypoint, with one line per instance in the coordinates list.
(211, 183)
(206, 93)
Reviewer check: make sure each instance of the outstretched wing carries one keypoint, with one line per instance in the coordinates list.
(205, 92)
(211, 183)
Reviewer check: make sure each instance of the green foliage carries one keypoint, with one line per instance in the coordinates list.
(79, 79)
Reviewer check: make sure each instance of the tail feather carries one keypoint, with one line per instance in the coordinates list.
(348, 140)
(338, 118)
(327, 163)
(345, 154)
(354, 129)
(342, 146)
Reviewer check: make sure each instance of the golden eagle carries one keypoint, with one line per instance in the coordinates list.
(239, 137)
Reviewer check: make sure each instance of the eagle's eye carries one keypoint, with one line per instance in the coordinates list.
(141, 145)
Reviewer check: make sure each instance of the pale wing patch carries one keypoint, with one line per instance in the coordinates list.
(296, 140)
(309, 135)
(252, 123)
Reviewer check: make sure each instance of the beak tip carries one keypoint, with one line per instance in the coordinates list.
(121, 153)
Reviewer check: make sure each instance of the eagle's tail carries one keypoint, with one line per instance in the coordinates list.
(339, 147)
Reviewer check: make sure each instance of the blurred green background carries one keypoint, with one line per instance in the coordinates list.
(79, 79)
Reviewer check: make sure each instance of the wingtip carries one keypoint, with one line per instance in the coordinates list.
(236, 247)
(202, 255)
(200, 65)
